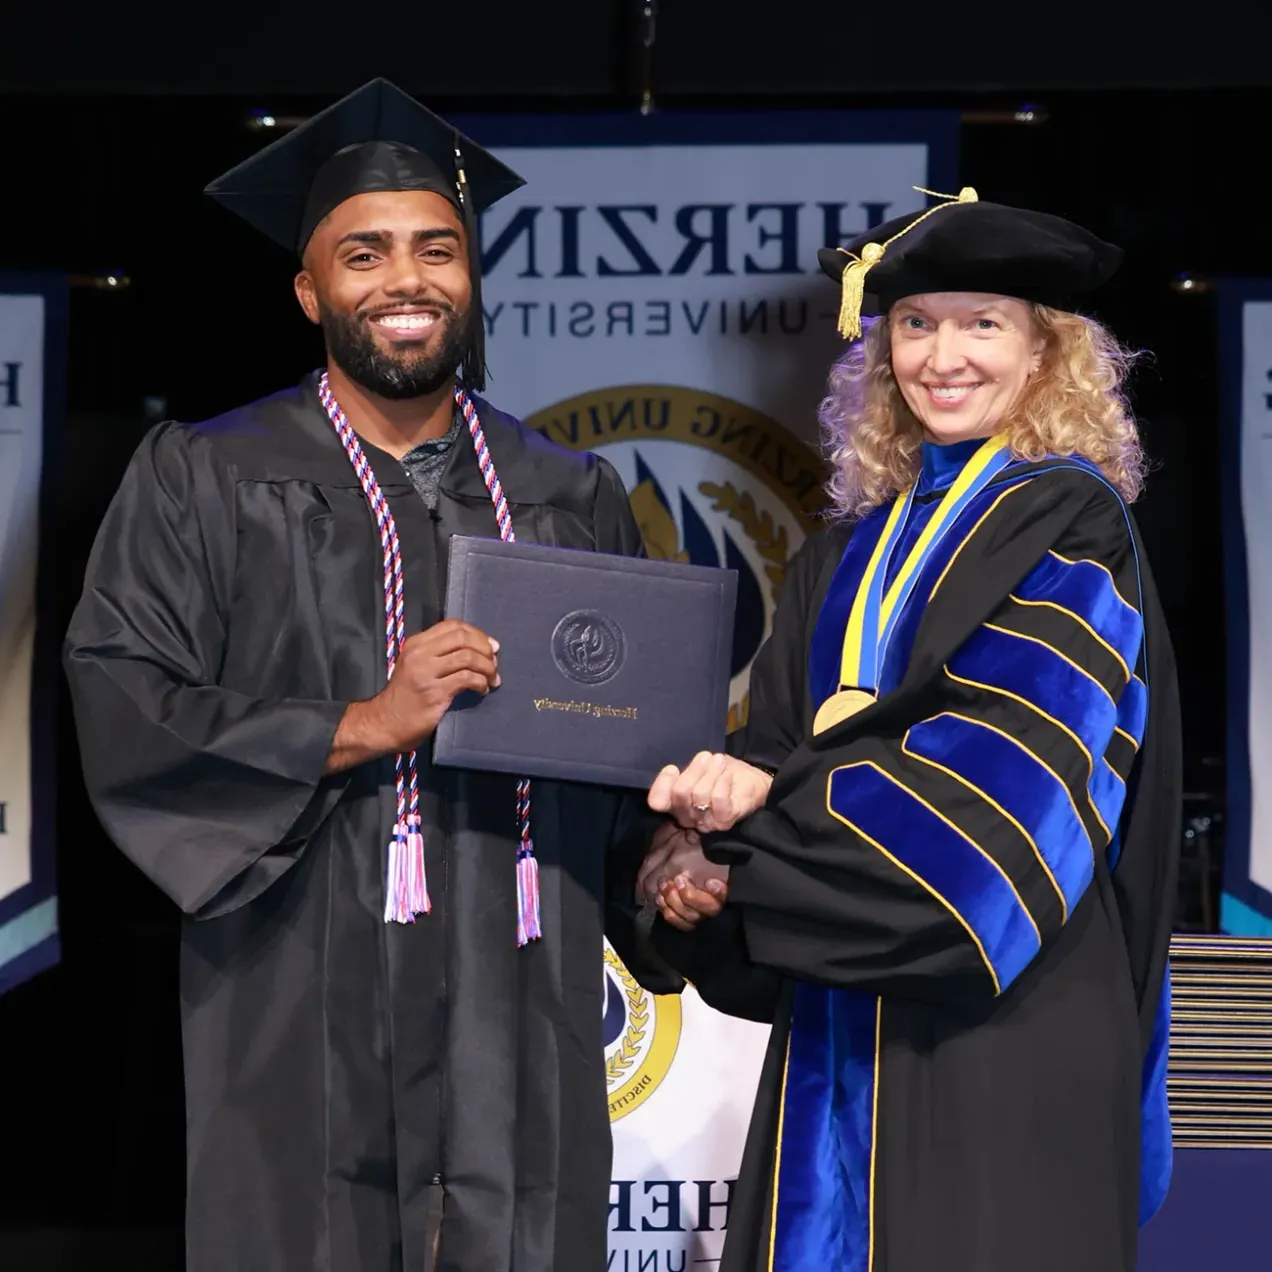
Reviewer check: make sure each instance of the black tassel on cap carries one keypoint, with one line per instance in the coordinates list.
(474, 365)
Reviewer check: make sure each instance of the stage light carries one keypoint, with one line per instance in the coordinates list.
(1028, 115)
(648, 16)
(109, 281)
(1191, 285)
(265, 121)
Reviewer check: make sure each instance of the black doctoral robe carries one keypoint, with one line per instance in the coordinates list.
(942, 862)
(346, 1077)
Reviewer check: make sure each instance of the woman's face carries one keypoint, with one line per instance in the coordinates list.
(961, 359)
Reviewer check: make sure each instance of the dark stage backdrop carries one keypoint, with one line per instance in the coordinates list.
(573, 48)
(89, 1066)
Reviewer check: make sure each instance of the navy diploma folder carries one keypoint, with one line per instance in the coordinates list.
(611, 666)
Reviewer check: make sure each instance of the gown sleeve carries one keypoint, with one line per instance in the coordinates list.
(935, 859)
(213, 794)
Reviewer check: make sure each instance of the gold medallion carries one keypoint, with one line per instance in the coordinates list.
(839, 706)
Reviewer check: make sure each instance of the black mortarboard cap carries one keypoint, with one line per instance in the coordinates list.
(376, 138)
(970, 246)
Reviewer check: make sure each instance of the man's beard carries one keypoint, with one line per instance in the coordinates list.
(399, 374)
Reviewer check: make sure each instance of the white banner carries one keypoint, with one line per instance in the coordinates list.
(657, 299)
(28, 910)
(1246, 329)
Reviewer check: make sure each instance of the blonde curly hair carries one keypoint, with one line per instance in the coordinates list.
(1074, 406)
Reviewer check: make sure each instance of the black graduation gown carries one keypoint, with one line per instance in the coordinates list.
(1005, 979)
(337, 1067)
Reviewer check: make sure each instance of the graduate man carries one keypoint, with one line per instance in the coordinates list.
(391, 1007)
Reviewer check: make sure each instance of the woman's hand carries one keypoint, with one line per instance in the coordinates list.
(712, 794)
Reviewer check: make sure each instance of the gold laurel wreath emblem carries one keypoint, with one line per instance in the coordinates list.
(770, 542)
(637, 1021)
(769, 538)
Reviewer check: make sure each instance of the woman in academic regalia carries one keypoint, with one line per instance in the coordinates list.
(942, 861)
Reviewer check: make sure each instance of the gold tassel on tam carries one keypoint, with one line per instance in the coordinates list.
(854, 275)
(854, 285)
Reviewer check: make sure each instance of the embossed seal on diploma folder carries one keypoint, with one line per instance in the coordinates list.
(588, 647)
(610, 666)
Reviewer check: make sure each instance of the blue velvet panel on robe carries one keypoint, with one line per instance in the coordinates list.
(897, 656)
(1132, 710)
(823, 1201)
(1041, 677)
(825, 655)
(1036, 674)
(1085, 589)
(1156, 1148)
(1108, 794)
(826, 649)
(965, 879)
(1006, 773)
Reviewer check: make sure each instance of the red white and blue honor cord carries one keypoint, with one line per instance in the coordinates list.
(406, 889)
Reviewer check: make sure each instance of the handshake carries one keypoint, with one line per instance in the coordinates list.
(712, 794)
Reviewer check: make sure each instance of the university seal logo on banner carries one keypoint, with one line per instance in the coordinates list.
(641, 1031)
(713, 483)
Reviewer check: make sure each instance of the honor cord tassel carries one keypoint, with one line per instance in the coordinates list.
(406, 888)
(406, 891)
(528, 925)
